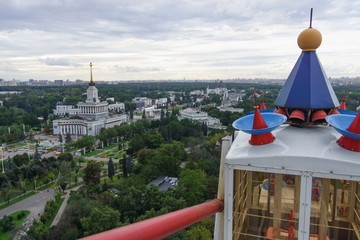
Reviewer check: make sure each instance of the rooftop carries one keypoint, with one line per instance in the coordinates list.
(301, 149)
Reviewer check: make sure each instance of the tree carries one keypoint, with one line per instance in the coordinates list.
(111, 169)
(37, 230)
(60, 138)
(100, 220)
(37, 155)
(144, 115)
(153, 139)
(92, 173)
(136, 143)
(191, 186)
(199, 232)
(7, 223)
(86, 141)
(68, 138)
(127, 164)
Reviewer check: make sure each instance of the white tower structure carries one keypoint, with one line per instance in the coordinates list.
(92, 108)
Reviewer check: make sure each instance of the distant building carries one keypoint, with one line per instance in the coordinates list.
(63, 110)
(164, 182)
(152, 112)
(161, 102)
(92, 116)
(197, 93)
(118, 107)
(141, 102)
(59, 83)
(219, 90)
(231, 109)
(1, 103)
(198, 116)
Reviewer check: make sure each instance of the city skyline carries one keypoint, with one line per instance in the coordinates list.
(141, 40)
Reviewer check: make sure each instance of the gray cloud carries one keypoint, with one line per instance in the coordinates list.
(138, 69)
(171, 35)
(58, 62)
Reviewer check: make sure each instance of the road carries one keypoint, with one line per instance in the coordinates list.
(35, 204)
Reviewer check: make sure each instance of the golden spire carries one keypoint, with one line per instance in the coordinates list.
(91, 77)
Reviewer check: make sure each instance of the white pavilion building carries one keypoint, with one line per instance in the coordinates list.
(92, 116)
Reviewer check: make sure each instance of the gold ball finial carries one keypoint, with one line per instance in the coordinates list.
(309, 39)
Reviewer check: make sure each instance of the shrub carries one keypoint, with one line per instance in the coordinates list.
(7, 223)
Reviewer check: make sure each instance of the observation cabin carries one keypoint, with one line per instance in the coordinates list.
(294, 173)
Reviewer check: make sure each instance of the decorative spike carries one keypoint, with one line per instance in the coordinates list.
(355, 125)
(350, 143)
(342, 106)
(259, 123)
(262, 106)
(255, 100)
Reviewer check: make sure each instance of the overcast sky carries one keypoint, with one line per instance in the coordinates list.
(168, 39)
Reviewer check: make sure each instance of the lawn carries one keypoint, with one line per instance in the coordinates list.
(70, 150)
(115, 180)
(46, 186)
(75, 185)
(13, 194)
(111, 146)
(18, 222)
(90, 154)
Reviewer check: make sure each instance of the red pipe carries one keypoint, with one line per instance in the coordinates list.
(162, 226)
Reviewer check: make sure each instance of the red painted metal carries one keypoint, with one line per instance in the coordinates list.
(259, 123)
(318, 115)
(355, 125)
(298, 114)
(262, 106)
(348, 143)
(335, 111)
(162, 226)
(280, 111)
(342, 105)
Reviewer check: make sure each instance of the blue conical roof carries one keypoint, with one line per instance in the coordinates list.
(307, 86)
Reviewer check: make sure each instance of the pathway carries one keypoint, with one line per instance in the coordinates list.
(63, 205)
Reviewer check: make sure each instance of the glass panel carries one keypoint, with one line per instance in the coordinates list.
(255, 215)
(333, 209)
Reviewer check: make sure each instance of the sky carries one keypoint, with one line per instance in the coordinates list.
(168, 39)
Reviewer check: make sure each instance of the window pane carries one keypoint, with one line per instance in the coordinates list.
(333, 209)
(266, 206)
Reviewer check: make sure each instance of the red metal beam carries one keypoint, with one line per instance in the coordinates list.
(162, 226)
